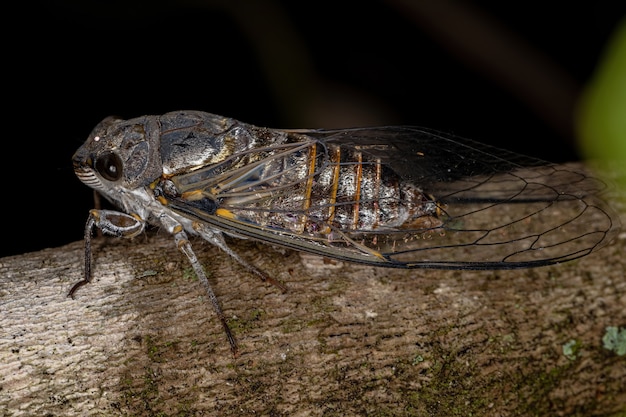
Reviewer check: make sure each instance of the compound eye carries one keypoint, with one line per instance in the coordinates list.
(109, 166)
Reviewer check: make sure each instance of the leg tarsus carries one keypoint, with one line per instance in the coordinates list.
(218, 240)
(264, 277)
(185, 247)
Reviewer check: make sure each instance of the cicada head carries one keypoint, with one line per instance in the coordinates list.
(119, 154)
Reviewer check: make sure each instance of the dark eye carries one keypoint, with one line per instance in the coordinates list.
(109, 166)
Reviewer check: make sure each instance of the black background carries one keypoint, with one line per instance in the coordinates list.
(68, 64)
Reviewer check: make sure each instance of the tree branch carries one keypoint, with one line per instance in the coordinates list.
(345, 339)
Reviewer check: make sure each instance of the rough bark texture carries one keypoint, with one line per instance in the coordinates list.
(142, 340)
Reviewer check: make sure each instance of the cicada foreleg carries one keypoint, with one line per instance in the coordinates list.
(109, 222)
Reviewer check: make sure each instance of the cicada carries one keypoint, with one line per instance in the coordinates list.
(400, 197)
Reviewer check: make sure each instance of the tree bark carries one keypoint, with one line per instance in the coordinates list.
(345, 339)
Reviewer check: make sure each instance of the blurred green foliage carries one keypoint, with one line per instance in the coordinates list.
(601, 122)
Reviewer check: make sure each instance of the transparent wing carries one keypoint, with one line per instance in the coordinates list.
(402, 197)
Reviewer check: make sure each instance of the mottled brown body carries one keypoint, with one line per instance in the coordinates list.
(288, 182)
(400, 196)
